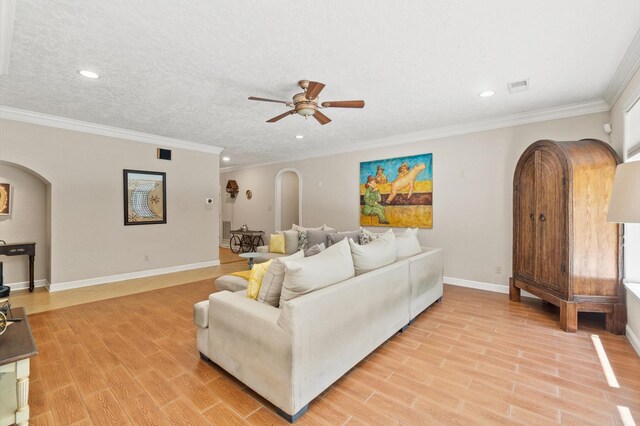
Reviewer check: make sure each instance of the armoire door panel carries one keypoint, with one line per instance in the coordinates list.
(525, 228)
(551, 218)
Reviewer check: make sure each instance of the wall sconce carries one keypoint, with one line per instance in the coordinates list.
(232, 188)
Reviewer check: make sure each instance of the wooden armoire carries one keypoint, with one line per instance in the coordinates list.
(564, 251)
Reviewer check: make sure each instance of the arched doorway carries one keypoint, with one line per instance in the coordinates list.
(288, 203)
(29, 219)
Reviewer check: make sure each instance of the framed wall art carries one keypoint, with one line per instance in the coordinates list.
(397, 192)
(5, 199)
(145, 197)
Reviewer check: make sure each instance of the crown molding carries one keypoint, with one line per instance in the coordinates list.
(38, 118)
(7, 17)
(536, 116)
(626, 70)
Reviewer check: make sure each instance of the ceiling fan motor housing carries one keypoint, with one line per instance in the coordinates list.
(304, 106)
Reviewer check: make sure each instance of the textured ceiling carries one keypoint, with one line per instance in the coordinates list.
(184, 69)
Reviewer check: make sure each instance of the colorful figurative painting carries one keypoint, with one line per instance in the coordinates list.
(5, 199)
(144, 197)
(397, 192)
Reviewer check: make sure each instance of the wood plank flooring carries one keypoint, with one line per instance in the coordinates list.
(474, 358)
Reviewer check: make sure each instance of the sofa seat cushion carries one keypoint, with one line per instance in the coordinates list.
(272, 281)
(201, 314)
(378, 253)
(326, 268)
(231, 283)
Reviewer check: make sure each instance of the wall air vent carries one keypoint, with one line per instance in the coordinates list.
(518, 86)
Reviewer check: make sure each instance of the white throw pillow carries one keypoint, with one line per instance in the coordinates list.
(272, 281)
(328, 267)
(290, 241)
(378, 253)
(407, 243)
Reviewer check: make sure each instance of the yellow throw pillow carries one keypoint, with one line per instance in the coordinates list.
(255, 278)
(276, 244)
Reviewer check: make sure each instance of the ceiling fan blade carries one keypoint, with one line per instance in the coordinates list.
(343, 104)
(281, 116)
(314, 89)
(253, 98)
(322, 119)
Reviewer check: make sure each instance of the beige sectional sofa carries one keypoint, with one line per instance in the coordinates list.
(290, 354)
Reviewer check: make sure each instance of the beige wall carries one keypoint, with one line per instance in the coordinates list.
(27, 222)
(473, 176)
(88, 238)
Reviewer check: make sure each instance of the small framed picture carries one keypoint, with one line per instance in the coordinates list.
(5, 199)
(145, 197)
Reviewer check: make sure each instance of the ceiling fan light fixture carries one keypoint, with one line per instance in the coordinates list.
(305, 112)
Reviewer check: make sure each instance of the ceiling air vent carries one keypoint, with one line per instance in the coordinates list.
(518, 86)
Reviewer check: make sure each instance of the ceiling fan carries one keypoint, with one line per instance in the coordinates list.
(306, 103)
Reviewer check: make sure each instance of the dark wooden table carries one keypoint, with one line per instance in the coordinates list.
(21, 249)
(16, 347)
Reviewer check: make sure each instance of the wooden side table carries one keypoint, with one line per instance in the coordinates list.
(16, 347)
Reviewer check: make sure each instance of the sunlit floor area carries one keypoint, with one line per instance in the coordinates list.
(474, 358)
(42, 300)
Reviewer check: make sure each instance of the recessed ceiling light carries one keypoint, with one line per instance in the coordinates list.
(299, 136)
(88, 74)
(226, 159)
(486, 94)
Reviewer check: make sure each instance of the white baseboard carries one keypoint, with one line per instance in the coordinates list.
(479, 285)
(25, 284)
(129, 276)
(633, 339)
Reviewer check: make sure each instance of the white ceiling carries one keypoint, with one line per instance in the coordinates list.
(184, 69)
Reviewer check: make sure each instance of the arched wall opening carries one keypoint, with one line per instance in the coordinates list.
(288, 202)
(29, 220)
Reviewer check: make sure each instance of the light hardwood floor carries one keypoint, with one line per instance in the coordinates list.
(474, 358)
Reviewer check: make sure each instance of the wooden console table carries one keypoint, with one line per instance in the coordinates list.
(19, 249)
(16, 347)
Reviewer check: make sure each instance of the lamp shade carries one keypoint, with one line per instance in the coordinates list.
(624, 206)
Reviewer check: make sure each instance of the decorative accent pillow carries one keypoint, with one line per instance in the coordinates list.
(273, 278)
(303, 276)
(276, 244)
(407, 243)
(366, 237)
(256, 277)
(295, 227)
(334, 237)
(376, 254)
(327, 228)
(290, 241)
(302, 240)
(314, 250)
(316, 237)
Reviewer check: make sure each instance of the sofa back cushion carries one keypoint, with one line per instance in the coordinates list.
(329, 267)
(334, 237)
(407, 243)
(316, 237)
(290, 241)
(272, 281)
(378, 253)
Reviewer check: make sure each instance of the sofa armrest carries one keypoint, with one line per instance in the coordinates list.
(246, 340)
(262, 249)
(201, 314)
